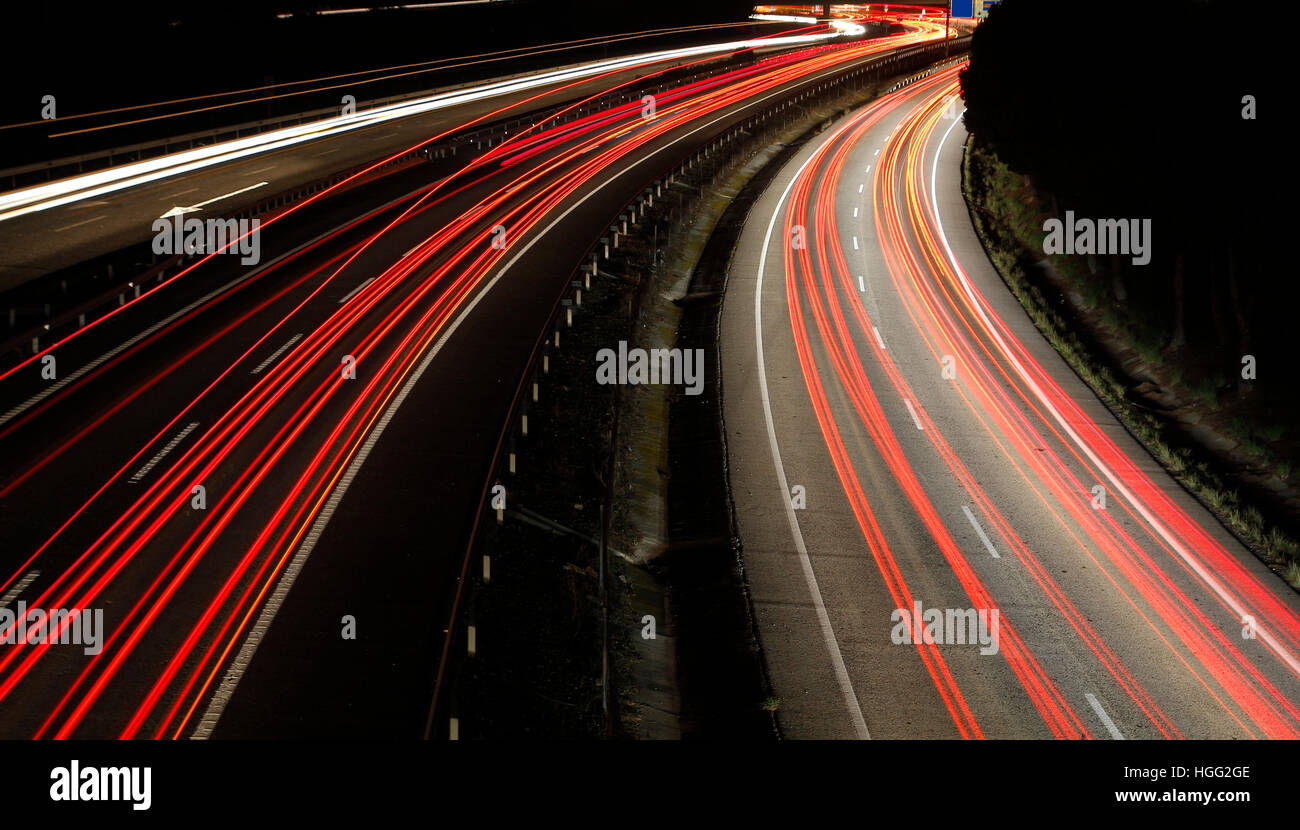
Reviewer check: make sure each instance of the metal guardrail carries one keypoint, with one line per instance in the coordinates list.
(503, 458)
(102, 159)
(482, 137)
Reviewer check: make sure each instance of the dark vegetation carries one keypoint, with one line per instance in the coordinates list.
(1135, 110)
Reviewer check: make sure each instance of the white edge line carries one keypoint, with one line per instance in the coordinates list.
(828, 632)
(235, 672)
(1155, 524)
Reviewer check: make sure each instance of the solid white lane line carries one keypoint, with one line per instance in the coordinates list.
(879, 339)
(1158, 526)
(230, 681)
(805, 563)
(983, 537)
(171, 445)
(276, 354)
(1105, 718)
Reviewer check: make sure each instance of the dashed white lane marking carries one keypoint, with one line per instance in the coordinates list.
(1105, 718)
(354, 291)
(855, 243)
(79, 224)
(879, 339)
(1196, 565)
(911, 411)
(20, 586)
(115, 351)
(862, 286)
(855, 213)
(162, 453)
(226, 689)
(805, 563)
(276, 354)
(983, 536)
(860, 187)
(13, 594)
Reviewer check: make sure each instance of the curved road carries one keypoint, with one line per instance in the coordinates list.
(899, 433)
(237, 381)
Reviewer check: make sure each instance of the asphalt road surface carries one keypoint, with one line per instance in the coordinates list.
(944, 454)
(337, 404)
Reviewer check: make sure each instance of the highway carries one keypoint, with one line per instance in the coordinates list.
(59, 224)
(899, 433)
(196, 454)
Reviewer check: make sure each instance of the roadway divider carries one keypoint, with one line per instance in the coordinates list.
(693, 174)
(57, 312)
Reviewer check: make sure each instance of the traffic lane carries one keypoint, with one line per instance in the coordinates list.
(393, 194)
(1067, 661)
(894, 694)
(811, 720)
(1181, 695)
(305, 680)
(985, 682)
(90, 723)
(134, 578)
(43, 242)
(38, 432)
